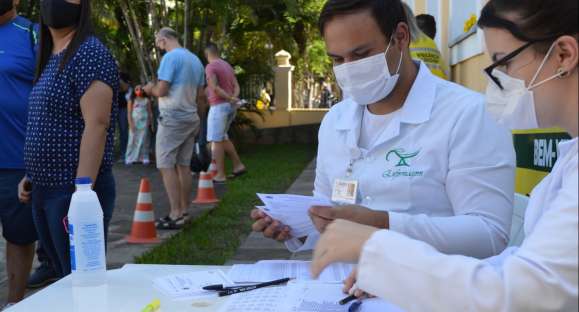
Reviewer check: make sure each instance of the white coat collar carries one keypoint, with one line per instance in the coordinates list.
(416, 109)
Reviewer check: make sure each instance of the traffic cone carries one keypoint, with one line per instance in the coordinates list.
(205, 191)
(143, 230)
(213, 169)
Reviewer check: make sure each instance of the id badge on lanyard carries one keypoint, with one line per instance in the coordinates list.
(345, 190)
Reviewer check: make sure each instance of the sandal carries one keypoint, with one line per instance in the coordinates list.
(172, 224)
(164, 219)
(237, 174)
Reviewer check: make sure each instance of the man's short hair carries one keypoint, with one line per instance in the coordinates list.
(427, 24)
(212, 48)
(387, 13)
(168, 32)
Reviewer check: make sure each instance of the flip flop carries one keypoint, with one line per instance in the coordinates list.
(237, 174)
(172, 224)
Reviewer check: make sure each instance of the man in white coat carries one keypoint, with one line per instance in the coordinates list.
(533, 83)
(420, 152)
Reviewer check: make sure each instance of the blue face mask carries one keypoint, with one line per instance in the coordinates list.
(59, 13)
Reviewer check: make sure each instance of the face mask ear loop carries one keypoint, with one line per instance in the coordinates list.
(400, 62)
(532, 84)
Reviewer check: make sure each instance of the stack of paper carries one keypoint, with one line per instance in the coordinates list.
(190, 285)
(292, 210)
(269, 270)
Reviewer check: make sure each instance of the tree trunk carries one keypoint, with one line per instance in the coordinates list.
(141, 40)
(164, 13)
(156, 27)
(144, 75)
(187, 25)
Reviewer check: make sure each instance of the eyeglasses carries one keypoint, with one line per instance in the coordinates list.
(503, 61)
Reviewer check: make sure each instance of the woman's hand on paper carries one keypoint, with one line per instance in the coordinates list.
(342, 241)
(269, 227)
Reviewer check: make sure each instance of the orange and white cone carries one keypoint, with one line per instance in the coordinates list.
(213, 168)
(143, 230)
(205, 191)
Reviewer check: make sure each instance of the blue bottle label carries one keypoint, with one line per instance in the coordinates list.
(72, 253)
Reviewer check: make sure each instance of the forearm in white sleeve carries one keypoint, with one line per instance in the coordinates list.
(463, 235)
(541, 275)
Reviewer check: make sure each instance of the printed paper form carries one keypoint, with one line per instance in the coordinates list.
(324, 297)
(301, 297)
(292, 210)
(269, 270)
(190, 285)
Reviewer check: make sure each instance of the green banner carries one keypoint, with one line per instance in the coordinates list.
(538, 151)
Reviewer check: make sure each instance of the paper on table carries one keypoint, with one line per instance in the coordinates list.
(300, 297)
(324, 297)
(292, 210)
(190, 285)
(259, 300)
(269, 270)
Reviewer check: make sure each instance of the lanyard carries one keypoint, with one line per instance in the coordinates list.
(353, 160)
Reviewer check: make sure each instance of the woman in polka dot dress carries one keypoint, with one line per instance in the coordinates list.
(69, 133)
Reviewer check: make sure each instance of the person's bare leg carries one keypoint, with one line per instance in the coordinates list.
(219, 156)
(186, 182)
(173, 189)
(18, 265)
(232, 153)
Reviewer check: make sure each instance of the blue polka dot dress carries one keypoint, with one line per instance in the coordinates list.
(55, 122)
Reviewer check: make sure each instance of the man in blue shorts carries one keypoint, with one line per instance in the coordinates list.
(17, 61)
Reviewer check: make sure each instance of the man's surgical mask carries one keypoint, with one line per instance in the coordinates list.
(514, 105)
(368, 80)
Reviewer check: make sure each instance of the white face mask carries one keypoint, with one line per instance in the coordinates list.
(514, 105)
(368, 80)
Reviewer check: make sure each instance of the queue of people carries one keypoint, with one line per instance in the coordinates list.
(421, 170)
(61, 97)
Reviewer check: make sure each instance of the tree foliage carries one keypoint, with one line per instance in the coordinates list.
(249, 32)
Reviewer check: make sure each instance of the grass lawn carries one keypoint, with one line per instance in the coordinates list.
(214, 237)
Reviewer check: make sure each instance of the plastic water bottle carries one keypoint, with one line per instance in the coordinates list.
(87, 236)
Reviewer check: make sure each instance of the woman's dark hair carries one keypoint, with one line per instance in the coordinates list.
(540, 21)
(83, 31)
(387, 13)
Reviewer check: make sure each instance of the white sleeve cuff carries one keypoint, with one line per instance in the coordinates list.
(397, 221)
(295, 245)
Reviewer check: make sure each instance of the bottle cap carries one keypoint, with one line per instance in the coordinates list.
(83, 181)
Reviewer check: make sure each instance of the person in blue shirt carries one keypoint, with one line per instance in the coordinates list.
(70, 131)
(17, 59)
(180, 89)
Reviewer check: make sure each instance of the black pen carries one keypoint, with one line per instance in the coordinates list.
(231, 291)
(347, 299)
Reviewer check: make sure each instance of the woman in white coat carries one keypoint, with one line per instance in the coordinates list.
(533, 82)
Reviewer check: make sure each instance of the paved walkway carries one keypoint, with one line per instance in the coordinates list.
(256, 247)
(119, 252)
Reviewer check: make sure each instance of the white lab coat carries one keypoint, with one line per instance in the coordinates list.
(458, 194)
(541, 275)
